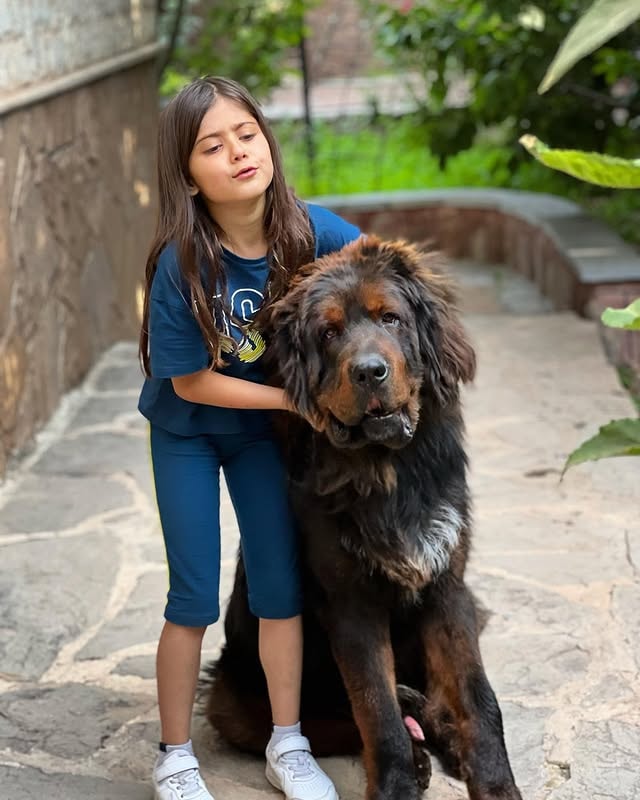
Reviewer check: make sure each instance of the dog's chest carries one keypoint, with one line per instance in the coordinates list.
(409, 552)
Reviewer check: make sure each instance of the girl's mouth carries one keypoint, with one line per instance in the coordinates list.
(249, 172)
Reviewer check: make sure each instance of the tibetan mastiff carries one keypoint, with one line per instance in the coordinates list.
(368, 344)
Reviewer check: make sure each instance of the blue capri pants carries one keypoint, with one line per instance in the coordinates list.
(187, 479)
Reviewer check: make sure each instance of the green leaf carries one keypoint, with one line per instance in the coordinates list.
(627, 318)
(603, 170)
(620, 437)
(601, 22)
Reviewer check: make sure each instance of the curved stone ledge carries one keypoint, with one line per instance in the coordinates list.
(571, 257)
(578, 262)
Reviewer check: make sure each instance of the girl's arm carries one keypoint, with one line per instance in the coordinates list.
(213, 389)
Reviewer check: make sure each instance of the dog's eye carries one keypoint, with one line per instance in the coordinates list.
(329, 333)
(389, 318)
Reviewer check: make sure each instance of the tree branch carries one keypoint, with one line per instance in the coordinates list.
(598, 97)
(173, 39)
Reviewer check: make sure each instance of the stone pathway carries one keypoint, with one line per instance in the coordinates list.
(83, 579)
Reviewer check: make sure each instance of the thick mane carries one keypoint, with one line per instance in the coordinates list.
(409, 508)
(369, 347)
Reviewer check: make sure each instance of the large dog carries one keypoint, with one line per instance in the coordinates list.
(368, 344)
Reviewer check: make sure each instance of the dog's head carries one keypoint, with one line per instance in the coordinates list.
(368, 337)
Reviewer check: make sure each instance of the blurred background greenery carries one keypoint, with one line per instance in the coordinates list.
(471, 69)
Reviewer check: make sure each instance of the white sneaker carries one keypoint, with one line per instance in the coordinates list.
(292, 769)
(177, 777)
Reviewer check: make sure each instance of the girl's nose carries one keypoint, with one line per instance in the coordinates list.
(238, 152)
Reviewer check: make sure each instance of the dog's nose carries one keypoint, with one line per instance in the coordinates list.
(370, 370)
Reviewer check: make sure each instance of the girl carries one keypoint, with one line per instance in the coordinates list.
(229, 238)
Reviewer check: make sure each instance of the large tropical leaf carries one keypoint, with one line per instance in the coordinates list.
(603, 170)
(627, 318)
(620, 437)
(600, 23)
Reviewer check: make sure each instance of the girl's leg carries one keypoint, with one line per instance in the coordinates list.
(281, 659)
(177, 670)
(258, 487)
(186, 475)
(257, 484)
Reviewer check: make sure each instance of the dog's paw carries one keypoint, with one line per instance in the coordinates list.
(412, 703)
(422, 764)
(413, 707)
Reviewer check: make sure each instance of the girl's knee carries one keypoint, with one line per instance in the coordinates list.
(196, 631)
(191, 614)
(274, 606)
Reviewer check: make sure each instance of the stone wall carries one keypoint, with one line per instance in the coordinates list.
(78, 115)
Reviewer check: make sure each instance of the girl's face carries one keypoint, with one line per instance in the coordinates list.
(231, 161)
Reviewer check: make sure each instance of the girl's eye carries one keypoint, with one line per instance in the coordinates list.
(213, 149)
(389, 318)
(247, 137)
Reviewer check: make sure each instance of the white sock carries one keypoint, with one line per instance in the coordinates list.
(282, 731)
(165, 749)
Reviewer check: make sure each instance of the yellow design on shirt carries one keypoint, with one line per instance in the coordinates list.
(252, 347)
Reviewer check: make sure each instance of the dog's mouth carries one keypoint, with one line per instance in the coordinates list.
(378, 425)
(376, 410)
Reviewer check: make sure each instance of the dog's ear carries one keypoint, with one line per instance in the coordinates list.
(444, 346)
(295, 360)
(456, 355)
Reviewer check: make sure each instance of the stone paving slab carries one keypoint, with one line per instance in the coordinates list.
(556, 564)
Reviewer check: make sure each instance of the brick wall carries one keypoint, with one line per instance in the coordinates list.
(340, 43)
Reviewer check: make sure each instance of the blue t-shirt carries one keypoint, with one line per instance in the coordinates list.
(176, 344)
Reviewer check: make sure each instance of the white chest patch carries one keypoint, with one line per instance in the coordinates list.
(418, 556)
(441, 539)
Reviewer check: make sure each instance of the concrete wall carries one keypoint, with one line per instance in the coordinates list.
(44, 39)
(76, 212)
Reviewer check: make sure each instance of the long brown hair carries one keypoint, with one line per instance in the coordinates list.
(185, 219)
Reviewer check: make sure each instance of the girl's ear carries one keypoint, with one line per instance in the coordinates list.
(193, 189)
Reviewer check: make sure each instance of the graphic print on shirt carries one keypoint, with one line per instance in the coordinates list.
(244, 306)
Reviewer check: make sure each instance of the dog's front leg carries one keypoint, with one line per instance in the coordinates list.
(359, 634)
(472, 740)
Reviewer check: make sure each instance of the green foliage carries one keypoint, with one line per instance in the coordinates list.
(602, 21)
(621, 210)
(621, 437)
(627, 318)
(631, 382)
(501, 50)
(247, 40)
(603, 170)
(351, 158)
(358, 156)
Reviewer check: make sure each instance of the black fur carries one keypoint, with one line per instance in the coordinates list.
(368, 344)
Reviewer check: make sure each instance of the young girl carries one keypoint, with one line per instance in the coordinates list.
(230, 236)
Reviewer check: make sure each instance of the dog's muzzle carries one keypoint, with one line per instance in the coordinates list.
(391, 429)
